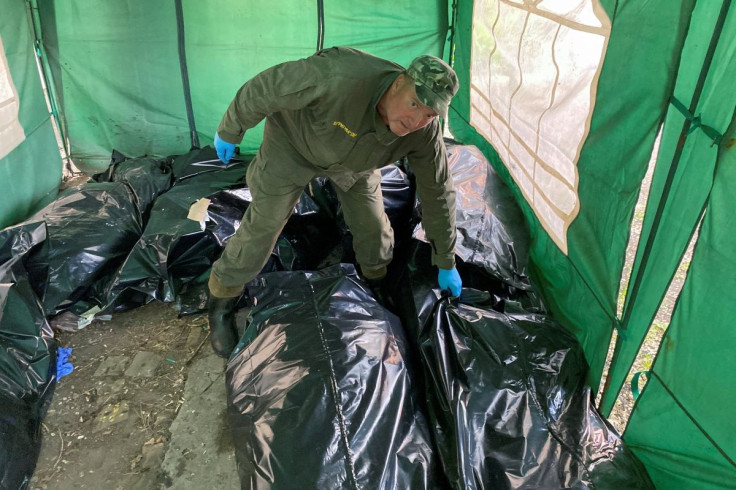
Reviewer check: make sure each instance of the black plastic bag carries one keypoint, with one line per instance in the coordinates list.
(173, 249)
(491, 232)
(27, 358)
(319, 390)
(200, 161)
(148, 178)
(399, 202)
(90, 230)
(509, 405)
(410, 281)
(307, 239)
(225, 211)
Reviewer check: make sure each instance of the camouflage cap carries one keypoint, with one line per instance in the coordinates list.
(435, 82)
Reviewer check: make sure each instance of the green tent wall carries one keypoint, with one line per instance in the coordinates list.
(31, 172)
(117, 63)
(685, 404)
(117, 70)
(685, 167)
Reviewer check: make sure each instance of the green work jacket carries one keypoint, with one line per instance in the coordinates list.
(324, 109)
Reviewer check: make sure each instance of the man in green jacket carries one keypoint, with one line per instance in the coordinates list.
(342, 114)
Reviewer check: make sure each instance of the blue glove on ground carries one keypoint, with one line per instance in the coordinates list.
(224, 149)
(449, 280)
(62, 366)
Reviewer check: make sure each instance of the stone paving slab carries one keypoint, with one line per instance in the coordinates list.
(111, 414)
(144, 365)
(200, 453)
(112, 366)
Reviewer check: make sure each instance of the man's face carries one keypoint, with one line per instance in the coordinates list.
(401, 110)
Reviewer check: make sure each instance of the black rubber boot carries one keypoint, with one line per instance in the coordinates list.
(223, 332)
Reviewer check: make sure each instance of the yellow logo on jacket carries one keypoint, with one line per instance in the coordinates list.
(345, 128)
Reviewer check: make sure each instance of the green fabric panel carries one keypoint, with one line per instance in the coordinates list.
(32, 171)
(696, 360)
(675, 459)
(581, 289)
(249, 47)
(29, 175)
(691, 183)
(229, 42)
(395, 30)
(116, 67)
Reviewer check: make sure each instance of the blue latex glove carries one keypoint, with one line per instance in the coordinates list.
(224, 149)
(449, 280)
(62, 366)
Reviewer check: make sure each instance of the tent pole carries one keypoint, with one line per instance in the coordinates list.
(320, 24)
(185, 73)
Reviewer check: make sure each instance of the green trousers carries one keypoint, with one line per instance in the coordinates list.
(275, 186)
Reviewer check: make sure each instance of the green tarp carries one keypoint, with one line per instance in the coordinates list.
(682, 426)
(31, 172)
(117, 64)
(683, 176)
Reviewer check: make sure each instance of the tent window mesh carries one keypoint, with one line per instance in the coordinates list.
(534, 72)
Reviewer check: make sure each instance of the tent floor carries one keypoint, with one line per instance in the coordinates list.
(145, 407)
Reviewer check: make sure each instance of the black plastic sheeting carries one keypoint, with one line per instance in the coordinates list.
(27, 358)
(197, 162)
(308, 237)
(399, 201)
(176, 252)
(411, 280)
(509, 405)
(320, 393)
(90, 230)
(172, 249)
(225, 211)
(491, 230)
(99, 253)
(315, 235)
(147, 178)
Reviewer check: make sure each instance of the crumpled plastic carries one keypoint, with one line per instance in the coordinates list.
(172, 249)
(509, 404)
(320, 393)
(90, 229)
(27, 357)
(490, 225)
(147, 178)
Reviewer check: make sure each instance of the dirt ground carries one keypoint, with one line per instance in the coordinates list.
(108, 425)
